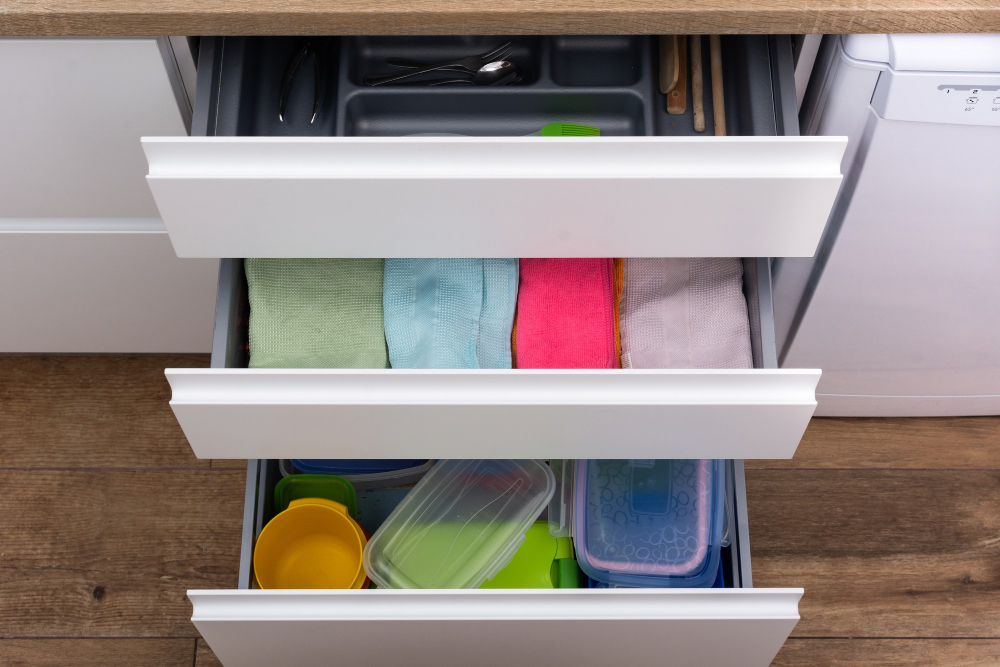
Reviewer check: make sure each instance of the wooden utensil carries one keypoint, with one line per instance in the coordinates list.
(677, 96)
(718, 103)
(697, 85)
(669, 61)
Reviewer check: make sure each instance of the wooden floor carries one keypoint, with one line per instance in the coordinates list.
(106, 519)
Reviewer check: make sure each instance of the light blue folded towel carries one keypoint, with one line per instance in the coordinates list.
(449, 313)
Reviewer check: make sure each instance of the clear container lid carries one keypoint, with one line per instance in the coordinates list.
(561, 505)
(460, 524)
(645, 522)
(354, 466)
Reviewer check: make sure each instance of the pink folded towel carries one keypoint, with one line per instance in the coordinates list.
(565, 314)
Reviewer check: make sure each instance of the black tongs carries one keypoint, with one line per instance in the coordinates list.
(318, 52)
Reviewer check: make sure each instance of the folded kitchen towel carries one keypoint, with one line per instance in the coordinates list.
(565, 314)
(685, 313)
(316, 313)
(500, 278)
(449, 313)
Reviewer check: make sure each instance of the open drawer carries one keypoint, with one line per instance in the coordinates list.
(353, 184)
(231, 411)
(735, 625)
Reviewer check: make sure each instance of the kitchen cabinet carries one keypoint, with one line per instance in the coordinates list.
(222, 193)
(85, 261)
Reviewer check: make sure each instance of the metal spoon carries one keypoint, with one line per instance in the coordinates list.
(470, 63)
(496, 73)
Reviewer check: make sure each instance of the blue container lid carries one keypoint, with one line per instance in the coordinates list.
(720, 581)
(645, 522)
(354, 466)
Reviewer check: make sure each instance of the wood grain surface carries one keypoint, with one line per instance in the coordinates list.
(95, 652)
(888, 653)
(892, 526)
(932, 443)
(204, 657)
(111, 553)
(430, 17)
(68, 411)
(881, 553)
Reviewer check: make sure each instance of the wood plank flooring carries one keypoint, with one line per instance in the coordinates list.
(892, 527)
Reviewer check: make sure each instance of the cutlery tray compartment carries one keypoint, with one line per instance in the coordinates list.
(607, 81)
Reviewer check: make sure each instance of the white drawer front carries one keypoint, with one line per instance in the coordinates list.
(101, 286)
(494, 196)
(723, 627)
(256, 413)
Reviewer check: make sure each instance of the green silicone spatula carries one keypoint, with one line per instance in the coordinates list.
(567, 130)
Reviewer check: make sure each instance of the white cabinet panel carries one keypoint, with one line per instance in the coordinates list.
(494, 196)
(101, 286)
(497, 628)
(70, 126)
(530, 413)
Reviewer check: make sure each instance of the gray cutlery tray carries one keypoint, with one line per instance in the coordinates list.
(607, 81)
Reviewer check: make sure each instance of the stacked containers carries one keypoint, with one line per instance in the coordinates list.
(650, 523)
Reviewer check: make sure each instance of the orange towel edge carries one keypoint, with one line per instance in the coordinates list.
(618, 269)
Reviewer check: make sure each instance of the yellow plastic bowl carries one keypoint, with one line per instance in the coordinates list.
(312, 544)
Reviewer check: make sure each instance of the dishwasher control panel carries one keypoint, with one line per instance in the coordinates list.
(938, 97)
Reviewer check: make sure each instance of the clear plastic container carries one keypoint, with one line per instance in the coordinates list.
(376, 474)
(460, 525)
(354, 466)
(561, 505)
(653, 523)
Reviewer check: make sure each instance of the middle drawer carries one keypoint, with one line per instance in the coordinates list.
(231, 411)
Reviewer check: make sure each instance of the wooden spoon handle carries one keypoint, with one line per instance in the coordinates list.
(718, 101)
(697, 84)
(677, 96)
(668, 63)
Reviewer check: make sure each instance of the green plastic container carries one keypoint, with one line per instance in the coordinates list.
(542, 561)
(330, 487)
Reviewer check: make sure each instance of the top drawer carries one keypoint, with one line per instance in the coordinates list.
(351, 184)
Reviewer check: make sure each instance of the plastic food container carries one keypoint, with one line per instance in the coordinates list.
(331, 487)
(460, 525)
(362, 473)
(542, 561)
(719, 582)
(652, 523)
(561, 505)
(312, 544)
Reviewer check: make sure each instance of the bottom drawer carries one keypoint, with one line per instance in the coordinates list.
(736, 625)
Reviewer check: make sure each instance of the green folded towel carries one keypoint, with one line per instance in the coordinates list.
(316, 313)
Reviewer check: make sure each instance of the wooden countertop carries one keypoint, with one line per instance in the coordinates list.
(367, 17)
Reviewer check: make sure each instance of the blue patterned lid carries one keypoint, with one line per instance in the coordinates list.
(647, 522)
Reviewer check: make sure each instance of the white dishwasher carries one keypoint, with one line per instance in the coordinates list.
(901, 304)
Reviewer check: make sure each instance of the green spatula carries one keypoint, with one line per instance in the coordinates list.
(567, 130)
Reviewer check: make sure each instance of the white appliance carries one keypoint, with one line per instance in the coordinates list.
(900, 306)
